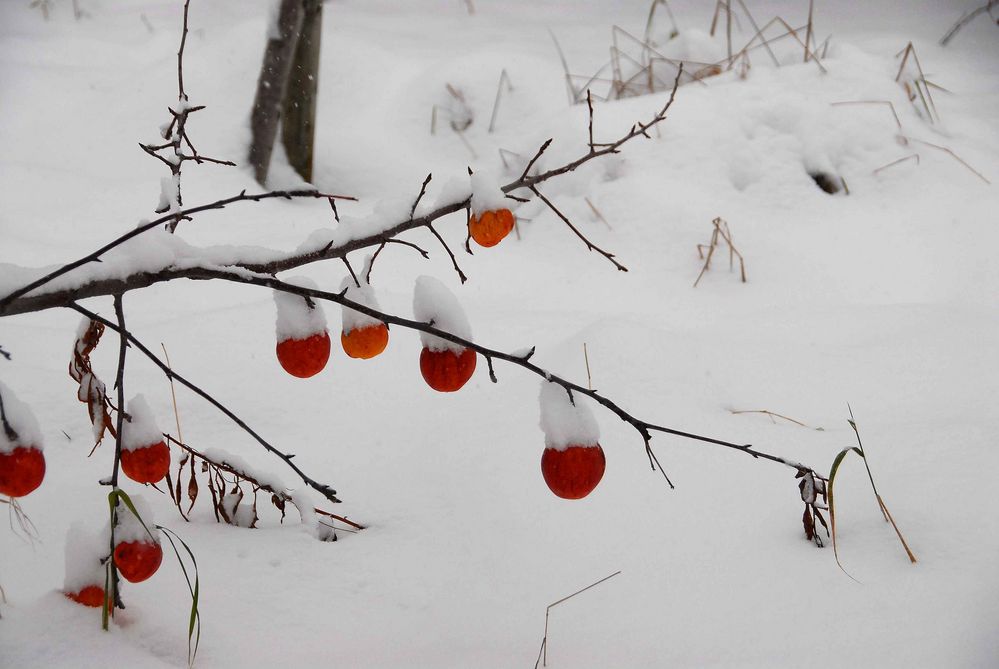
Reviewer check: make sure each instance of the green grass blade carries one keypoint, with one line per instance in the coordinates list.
(194, 622)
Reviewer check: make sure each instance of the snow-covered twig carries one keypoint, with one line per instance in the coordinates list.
(243, 474)
(80, 292)
(17, 302)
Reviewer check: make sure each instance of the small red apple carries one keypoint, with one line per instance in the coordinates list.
(92, 595)
(21, 471)
(447, 371)
(137, 560)
(148, 464)
(574, 472)
(304, 357)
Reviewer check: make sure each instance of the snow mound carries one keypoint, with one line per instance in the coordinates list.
(21, 420)
(295, 318)
(131, 528)
(363, 294)
(142, 430)
(564, 423)
(434, 303)
(84, 550)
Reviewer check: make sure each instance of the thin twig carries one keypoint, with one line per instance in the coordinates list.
(242, 474)
(544, 641)
(589, 245)
(323, 489)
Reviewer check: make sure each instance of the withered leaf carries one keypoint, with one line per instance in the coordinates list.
(192, 488)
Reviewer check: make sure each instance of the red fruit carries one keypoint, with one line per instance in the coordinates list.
(574, 472)
(447, 371)
(366, 342)
(137, 560)
(304, 357)
(21, 471)
(92, 595)
(148, 464)
(490, 227)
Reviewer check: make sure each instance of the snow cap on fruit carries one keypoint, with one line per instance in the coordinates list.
(295, 318)
(363, 294)
(24, 430)
(433, 302)
(141, 431)
(564, 423)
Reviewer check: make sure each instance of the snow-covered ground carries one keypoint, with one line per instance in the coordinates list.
(886, 298)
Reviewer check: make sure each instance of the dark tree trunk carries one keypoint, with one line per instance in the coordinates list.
(273, 84)
(298, 126)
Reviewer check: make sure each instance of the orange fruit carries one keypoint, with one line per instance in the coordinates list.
(148, 464)
(490, 227)
(137, 560)
(21, 471)
(365, 342)
(304, 357)
(92, 595)
(573, 473)
(447, 371)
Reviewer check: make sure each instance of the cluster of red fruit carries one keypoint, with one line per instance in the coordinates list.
(570, 473)
(445, 371)
(135, 560)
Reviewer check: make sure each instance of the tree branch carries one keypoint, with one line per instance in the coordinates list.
(644, 428)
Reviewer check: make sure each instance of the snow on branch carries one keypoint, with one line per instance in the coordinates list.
(109, 280)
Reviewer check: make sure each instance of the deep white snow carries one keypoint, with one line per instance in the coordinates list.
(885, 298)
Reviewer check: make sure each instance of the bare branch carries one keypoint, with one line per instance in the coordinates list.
(323, 489)
(589, 245)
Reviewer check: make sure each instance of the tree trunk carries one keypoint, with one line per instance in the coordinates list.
(273, 84)
(298, 129)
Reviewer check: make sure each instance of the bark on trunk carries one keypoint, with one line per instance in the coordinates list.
(273, 84)
(298, 129)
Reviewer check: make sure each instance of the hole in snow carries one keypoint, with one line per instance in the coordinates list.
(827, 182)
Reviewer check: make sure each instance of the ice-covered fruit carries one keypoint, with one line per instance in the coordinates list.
(92, 595)
(490, 227)
(304, 357)
(21, 471)
(447, 371)
(573, 472)
(365, 342)
(137, 560)
(148, 464)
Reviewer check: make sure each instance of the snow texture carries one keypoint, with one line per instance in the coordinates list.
(885, 298)
(566, 424)
(22, 420)
(487, 194)
(142, 430)
(295, 318)
(455, 189)
(84, 550)
(363, 294)
(434, 303)
(169, 194)
(130, 528)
